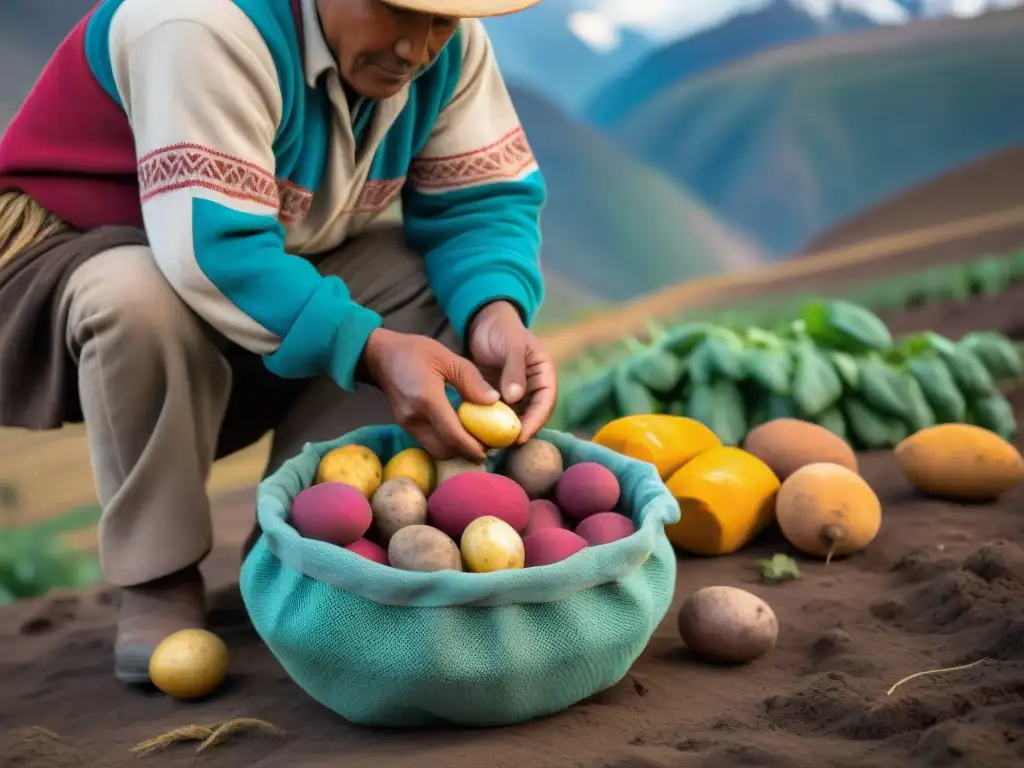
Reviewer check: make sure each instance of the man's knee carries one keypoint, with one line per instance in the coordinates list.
(122, 292)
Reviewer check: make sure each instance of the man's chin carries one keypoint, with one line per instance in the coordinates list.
(380, 87)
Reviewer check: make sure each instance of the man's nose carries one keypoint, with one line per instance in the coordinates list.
(413, 47)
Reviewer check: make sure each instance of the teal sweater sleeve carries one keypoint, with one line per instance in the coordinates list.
(321, 329)
(480, 245)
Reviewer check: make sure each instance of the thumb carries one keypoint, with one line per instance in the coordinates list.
(513, 375)
(469, 382)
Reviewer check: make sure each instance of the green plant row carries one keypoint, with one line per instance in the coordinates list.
(836, 364)
(34, 559)
(987, 276)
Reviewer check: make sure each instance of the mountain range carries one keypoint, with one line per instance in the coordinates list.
(779, 23)
(786, 143)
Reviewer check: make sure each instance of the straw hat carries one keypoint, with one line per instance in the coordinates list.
(465, 9)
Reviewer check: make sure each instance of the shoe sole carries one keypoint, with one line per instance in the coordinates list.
(131, 666)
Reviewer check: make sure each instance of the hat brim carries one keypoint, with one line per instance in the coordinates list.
(465, 9)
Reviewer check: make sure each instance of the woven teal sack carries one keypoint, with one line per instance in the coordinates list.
(385, 647)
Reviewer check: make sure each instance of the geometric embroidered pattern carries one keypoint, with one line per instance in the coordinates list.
(375, 196)
(181, 166)
(503, 160)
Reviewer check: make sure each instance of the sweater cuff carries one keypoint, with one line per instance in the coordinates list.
(481, 290)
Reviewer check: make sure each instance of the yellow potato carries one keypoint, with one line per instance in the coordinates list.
(828, 510)
(355, 465)
(415, 464)
(189, 664)
(491, 544)
(960, 462)
(496, 426)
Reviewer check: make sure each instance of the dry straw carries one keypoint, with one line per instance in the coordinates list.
(929, 672)
(207, 735)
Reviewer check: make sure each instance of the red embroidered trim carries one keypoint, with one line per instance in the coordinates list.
(503, 160)
(295, 201)
(183, 166)
(375, 196)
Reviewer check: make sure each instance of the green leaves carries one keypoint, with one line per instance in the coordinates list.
(778, 568)
(33, 559)
(835, 364)
(845, 326)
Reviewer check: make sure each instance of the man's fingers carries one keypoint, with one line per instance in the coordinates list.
(513, 375)
(426, 436)
(469, 381)
(543, 394)
(448, 428)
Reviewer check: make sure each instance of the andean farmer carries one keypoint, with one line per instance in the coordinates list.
(187, 258)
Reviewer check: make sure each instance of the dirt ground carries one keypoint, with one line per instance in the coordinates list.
(942, 585)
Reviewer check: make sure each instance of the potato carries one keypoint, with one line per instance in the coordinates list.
(397, 503)
(449, 468)
(189, 664)
(785, 445)
(496, 426)
(960, 462)
(490, 544)
(370, 550)
(460, 500)
(423, 548)
(604, 528)
(586, 489)
(356, 465)
(828, 511)
(551, 545)
(536, 466)
(333, 512)
(726, 624)
(544, 514)
(414, 463)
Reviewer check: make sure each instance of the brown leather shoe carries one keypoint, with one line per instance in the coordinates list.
(148, 613)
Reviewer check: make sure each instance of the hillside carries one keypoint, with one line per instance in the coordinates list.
(743, 35)
(788, 143)
(975, 189)
(612, 226)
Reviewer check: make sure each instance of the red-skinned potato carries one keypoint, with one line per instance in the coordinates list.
(605, 527)
(460, 500)
(333, 512)
(370, 550)
(551, 545)
(544, 514)
(586, 489)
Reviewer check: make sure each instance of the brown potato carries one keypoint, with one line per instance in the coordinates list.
(536, 465)
(423, 548)
(398, 503)
(727, 624)
(448, 468)
(786, 445)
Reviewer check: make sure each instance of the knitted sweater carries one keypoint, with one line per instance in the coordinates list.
(222, 127)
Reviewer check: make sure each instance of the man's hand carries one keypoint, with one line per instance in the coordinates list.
(412, 371)
(507, 350)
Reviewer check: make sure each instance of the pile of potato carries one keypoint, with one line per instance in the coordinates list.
(417, 514)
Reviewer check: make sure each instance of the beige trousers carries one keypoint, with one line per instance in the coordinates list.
(163, 395)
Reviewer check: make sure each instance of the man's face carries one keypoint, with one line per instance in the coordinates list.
(380, 47)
